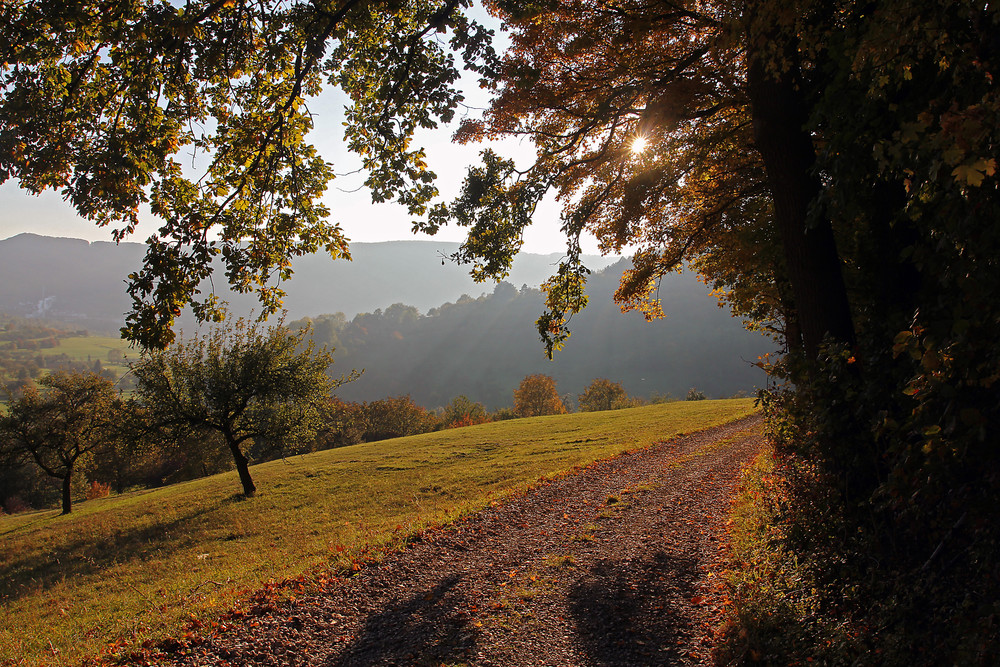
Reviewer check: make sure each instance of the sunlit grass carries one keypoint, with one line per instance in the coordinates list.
(95, 347)
(776, 613)
(127, 568)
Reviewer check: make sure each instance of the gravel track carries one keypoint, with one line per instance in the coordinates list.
(613, 565)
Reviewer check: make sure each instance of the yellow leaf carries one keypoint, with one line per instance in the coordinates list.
(969, 174)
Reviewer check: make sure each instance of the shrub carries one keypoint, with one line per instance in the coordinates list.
(395, 417)
(536, 396)
(98, 490)
(503, 414)
(15, 504)
(344, 424)
(695, 395)
(467, 420)
(463, 411)
(602, 394)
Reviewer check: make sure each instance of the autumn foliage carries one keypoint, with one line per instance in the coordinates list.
(603, 394)
(536, 396)
(463, 411)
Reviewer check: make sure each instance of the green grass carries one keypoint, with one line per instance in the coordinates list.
(86, 348)
(129, 568)
(95, 347)
(777, 612)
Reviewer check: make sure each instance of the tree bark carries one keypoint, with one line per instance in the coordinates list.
(898, 280)
(780, 135)
(67, 498)
(242, 466)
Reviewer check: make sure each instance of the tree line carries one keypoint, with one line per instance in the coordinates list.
(482, 346)
(30, 348)
(238, 394)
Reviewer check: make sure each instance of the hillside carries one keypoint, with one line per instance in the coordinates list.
(483, 347)
(410, 323)
(138, 566)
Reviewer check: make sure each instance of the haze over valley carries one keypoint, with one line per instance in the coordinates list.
(418, 325)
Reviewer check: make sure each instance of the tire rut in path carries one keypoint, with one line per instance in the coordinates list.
(613, 565)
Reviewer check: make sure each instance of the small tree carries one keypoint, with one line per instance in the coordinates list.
(343, 424)
(602, 394)
(241, 382)
(695, 395)
(395, 417)
(62, 424)
(536, 396)
(463, 411)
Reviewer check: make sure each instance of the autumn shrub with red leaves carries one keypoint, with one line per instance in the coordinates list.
(467, 420)
(463, 411)
(98, 490)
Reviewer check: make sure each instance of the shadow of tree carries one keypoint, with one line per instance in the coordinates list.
(84, 555)
(629, 612)
(428, 628)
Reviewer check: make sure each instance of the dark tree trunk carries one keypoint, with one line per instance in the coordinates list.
(897, 281)
(242, 466)
(813, 265)
(793, 334)
(67, 498)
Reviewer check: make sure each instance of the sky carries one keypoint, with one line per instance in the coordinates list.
(349, 202)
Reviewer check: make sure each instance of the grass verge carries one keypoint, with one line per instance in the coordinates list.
(782, 608)
(135, 568)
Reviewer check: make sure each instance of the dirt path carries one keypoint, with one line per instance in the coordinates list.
(615, 565)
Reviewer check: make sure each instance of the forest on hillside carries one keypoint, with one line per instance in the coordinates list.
(81, 283)
(481, 347)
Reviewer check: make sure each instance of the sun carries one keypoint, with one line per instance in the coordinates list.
(639, 145)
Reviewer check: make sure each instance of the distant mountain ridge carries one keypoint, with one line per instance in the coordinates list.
(79, 281)
(408, 319)
(483, 347)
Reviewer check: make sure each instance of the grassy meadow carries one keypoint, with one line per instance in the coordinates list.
(95, 347)
(111, 351)
(83, 348)
(125, 569)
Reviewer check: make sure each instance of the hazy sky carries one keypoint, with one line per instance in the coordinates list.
(49, 215)
(349, 203)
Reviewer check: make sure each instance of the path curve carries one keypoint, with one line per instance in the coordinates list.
(614, 565)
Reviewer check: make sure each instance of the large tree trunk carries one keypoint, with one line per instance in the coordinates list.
(67, 498)
(897, 281)
(242, 466)
(813, 265)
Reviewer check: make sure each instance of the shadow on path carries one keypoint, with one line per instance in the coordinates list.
(636, 612)
(429, 628)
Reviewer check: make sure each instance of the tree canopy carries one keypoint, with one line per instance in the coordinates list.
(126, 87)
(603, 394)
(58, 426)
(249, 385)
(536, 396)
